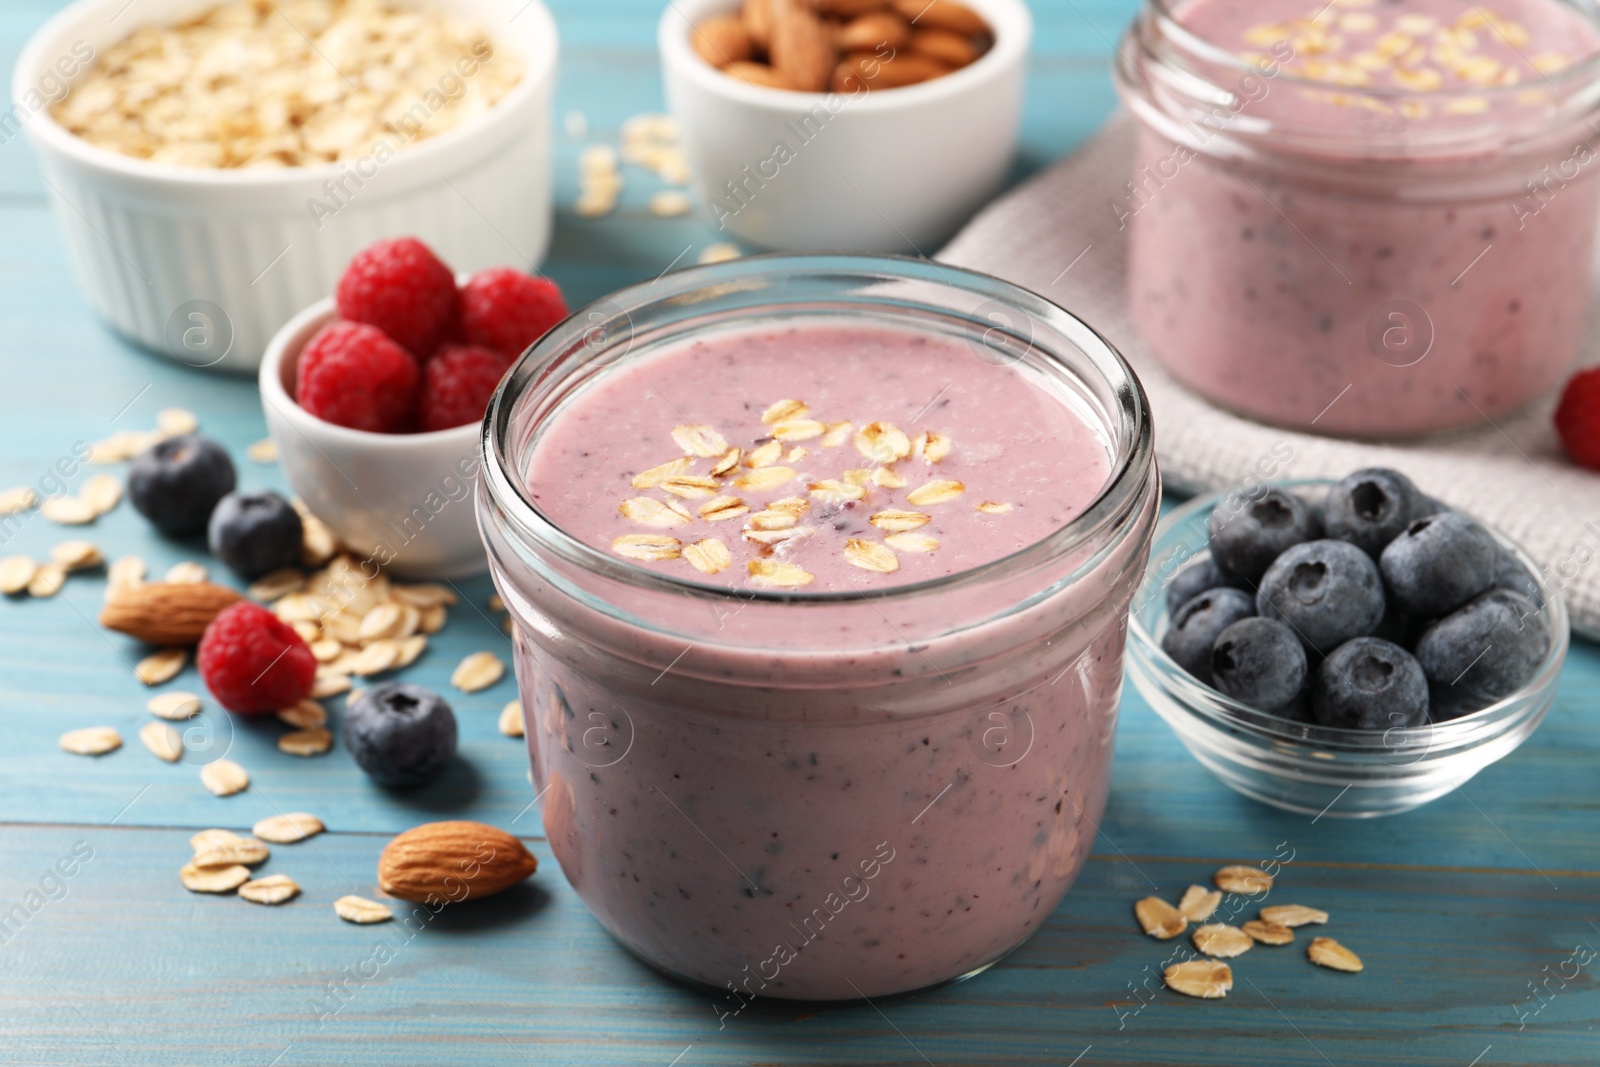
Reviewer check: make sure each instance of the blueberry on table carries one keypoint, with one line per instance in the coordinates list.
(254, 533)
(1482, 652)
(176, 482)
(1198, 576)
(1438, 563)
(1259, 662)
(1245, 542)
(1195, 626)
(1370, 684)
(1370, 507)
(1327, 591)
(401, 734)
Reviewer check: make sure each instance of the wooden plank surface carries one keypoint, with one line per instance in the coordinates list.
(1460, 909)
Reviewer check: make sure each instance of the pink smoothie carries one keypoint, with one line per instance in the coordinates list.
(846, 463)
(1347, 274)
(774, 793)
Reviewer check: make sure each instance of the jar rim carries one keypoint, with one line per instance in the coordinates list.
(1132, 462)
(1165, 14)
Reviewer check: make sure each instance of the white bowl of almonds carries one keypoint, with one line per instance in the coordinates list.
(215, 163)
(846, 125)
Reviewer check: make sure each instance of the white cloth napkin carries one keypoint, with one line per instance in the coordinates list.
(1057, 236)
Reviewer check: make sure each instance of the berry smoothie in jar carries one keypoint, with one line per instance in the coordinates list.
(1360, 218)
(820, 569)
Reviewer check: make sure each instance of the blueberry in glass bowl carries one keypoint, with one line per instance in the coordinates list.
(1397, 707)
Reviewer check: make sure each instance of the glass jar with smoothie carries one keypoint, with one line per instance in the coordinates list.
(820, 569)
(1361, 218)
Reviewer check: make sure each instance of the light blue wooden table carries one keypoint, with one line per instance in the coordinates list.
(1475, 916)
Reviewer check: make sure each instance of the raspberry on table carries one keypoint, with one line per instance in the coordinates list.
(458, 383)
(403, 289)
(253, 662)
(507, 310)
(352, 374)
(1578, 418)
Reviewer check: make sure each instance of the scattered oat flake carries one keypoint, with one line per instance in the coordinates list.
(940, 491)
(91, 741)
(791, 430)
(410, 649)
(994, 507)
(478, 671)
(102, 492)
(721, 252)
(1246, 880)
(47, 580)
(313, 741)
(784, 410)
(273, 889)
(277, 585)
(360, 910)
(16, 572)
(19, 499)
(838, 433)
(1206, 979)
(376, 658)
(708, 556)
(224, 777)
(205, 839)
(1268, 933)
(647, 547)
(690, 486)
(68, 511)
(1221, 940)
(1326, 952)
(188, 572)
(425, 595)
(882, 442)
(764, 478)
(263, 451)
(176, 705)
(896, 521)
(911, 542)
(174, 421)
(670, 203)
(728, 463)
(931, 447)
(887, 478)
(317, 544)
(836, 492)
(649, 479)
(511, 723)
(1199, 903)
(1159, 919)
(162, 666)
(77, 555)
(235, 849)
(768, 519)
(778, 574)
(287, 829)
(764, 455)
(213, 879)
(870, 556)
(125, 573)
(329, 683)
(649, 511)
(306, 715)
(162, 740)
(702, 441)
(1292, 915)
(723, 508)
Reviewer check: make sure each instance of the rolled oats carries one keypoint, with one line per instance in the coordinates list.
(91, 741)
(511, 723)
(162, 740)
(287, 829)
(360, 910)
(273, 889)
(176, 705)
(162, 666)
(478, 671)
(224, 777)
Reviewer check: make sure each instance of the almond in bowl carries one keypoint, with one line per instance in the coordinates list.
(811, 46)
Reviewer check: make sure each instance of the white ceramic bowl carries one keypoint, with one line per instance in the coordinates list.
(402, 500)
(204, 265)
(890, 170)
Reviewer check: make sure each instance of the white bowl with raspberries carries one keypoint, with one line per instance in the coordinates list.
(380, 443)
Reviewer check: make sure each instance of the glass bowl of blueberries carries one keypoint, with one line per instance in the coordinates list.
(1349, 648)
